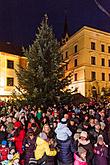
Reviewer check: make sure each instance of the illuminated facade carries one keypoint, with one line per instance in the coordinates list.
(87, 55)
(10, 58)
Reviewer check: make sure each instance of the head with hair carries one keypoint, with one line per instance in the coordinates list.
(46, 128)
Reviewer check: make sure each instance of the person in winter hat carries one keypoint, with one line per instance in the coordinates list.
(64, 143)
(18, 139)
(29, 145)
(3, 151)
(80, 157)
(84, 142)
(62, 131)
(42, 148)
(101, 152)
(12, 158)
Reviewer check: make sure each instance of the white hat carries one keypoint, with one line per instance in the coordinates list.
(84, 134)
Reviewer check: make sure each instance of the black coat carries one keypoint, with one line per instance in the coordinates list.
(66, 151)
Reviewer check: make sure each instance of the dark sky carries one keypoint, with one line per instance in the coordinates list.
(19, 19)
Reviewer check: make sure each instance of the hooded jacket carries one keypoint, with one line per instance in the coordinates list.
(43, 148)
(78, 160)
(62, 132)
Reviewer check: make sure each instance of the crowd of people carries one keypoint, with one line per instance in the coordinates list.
(56, 135)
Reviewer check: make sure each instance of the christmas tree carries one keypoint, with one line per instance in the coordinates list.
(43, 82)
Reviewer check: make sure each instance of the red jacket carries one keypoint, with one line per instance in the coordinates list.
(19, 141)
(3, 153)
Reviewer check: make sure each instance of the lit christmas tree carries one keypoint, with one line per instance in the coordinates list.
(43, 81)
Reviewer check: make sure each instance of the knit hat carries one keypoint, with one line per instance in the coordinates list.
(17, 124)
(100, 137)
(30, 131)
(43, 136)
(81, 150)
(64, 121)
(85, 123)
(4, 142)
(83, 134)
(79, 130)
(102, 124)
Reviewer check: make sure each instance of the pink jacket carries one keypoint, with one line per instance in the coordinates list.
(78, 160)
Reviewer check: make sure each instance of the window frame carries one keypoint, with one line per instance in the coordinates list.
(10, 64)
(103, 76)
(11, 78)
(93, 45)
(93, 78)
(93, 60)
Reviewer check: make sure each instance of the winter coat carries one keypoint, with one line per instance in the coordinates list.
(78, 160)
(15, 157)
(19, 141)
(29, 151)
(62, 132)
(66, 151)
(3, 153)
(88, 147)
(42, 147)
(101, 154)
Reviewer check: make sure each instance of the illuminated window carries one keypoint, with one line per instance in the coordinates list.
(93, 76)
(93, 61)
(103, 62)
(103, 76)
(10, 64)
(93, 45)
(10, 81)
(102, 48)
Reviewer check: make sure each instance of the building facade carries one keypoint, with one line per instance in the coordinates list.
(87, 55)
(10, 58)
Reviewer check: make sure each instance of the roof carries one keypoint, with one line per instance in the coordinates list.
(11, 48)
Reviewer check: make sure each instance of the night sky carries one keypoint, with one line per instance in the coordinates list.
(19, 19)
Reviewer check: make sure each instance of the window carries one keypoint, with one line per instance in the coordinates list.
(108, 63)
(66, 55)
(75, 62)
(62, 56)
(93, 45)
(75, 48)
(103, 62)
(10, 81)
(102, 48)
(93, 76)
(103, 76)
(108, 49)
(66, 66)
(93, 62)
(109, 77)
(75, 77)
(10, 64)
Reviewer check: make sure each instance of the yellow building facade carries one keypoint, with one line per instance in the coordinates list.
(87, 55)
(9, 61)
